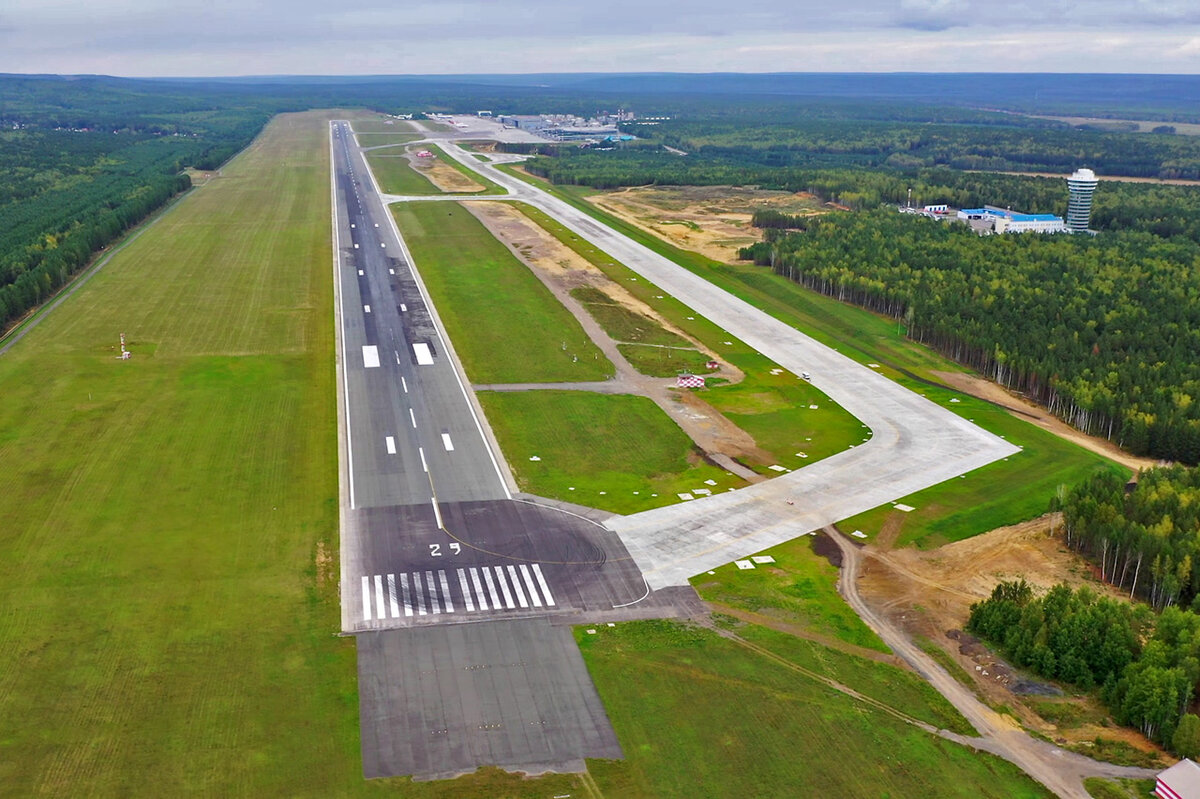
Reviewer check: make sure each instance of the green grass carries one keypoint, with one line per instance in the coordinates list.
(395, 175)
(699, 715)
(489, 187)
(782, 423)
(799, 588)
(388, 139)
(658, 361)
(1120, 753)
(1066, 713)
(1100, 788)
(505, 324)
(610, 451)
(999, 494)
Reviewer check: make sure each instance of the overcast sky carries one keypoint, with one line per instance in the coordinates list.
(244, 37)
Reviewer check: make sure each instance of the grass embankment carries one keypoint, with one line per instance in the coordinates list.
(168, 524)
(395, 175)
(505, 324)
(701, 715)
(775, 409)
(1002, 493)
(613, 451)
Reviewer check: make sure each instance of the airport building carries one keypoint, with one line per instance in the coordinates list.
(1081, 185)
(1003, 220)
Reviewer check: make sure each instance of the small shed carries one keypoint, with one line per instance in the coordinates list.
(690, 381)
(1180, 781)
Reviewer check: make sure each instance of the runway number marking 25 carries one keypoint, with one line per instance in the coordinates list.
(435, 550)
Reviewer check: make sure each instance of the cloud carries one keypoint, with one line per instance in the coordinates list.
(933, 15)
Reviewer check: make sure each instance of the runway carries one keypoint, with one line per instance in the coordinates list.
(440, 562)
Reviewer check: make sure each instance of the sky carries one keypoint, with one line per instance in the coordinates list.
(311, 37)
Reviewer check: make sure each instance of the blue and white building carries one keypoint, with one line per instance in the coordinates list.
(1002, 220)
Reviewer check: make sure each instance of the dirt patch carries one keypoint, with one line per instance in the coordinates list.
(825, 547)
(711, 220)
(1024, 409)
(324, 563)
(440, 173)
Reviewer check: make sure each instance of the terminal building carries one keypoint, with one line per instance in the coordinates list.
(1003, 220)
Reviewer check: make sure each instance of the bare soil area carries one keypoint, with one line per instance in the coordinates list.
(930, 593)
(986, 389)
(441, 174)
(711, 220)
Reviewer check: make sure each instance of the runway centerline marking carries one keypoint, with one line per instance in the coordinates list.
(403, 382)
(424, 465)
(412, 417)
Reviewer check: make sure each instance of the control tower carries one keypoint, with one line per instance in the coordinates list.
(1082, 185)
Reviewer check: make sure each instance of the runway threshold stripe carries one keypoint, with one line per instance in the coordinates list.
(419, 591)
(393, 605)
(516, 583)
(433, 595)
(382, 610)
(466, 590)
(503, 587)
(533, 594)
(483, 605)
(366, 593)
(404, 597)
(445, 591)
(537, 571)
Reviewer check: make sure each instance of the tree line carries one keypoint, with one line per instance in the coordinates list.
(1102, 330)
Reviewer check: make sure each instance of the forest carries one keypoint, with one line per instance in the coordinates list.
(1100, 330)
(1144, 539)
(1145, 666)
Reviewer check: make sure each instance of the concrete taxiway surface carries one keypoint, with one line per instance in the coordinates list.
(914, 442)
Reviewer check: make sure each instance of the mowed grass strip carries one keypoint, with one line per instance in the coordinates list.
(1002, 493)
(658, 361)
(699, 715)
(506, 326)
(625, 324)
(168, 524)
(617, 452)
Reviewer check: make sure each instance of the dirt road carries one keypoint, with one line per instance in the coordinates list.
(1060, 771)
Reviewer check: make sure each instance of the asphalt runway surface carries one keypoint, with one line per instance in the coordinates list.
(444, 572)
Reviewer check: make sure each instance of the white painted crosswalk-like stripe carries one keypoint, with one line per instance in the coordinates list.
(392, 604)
(508, 602)
(466, 590)
(537, 571)
(483, 605)
(420, 594)
(487, 576)
(404, 597)
(445, 591)
(533, 594)
(510, 587)
(433, 595)
(516, 584)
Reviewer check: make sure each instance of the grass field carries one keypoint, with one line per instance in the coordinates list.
(699, 715)
(656, 361)
(625, 324)
(799, 589)
(1100, 788)
(618, 452)
(1002, 493)
(381, 139)
(506, 326)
